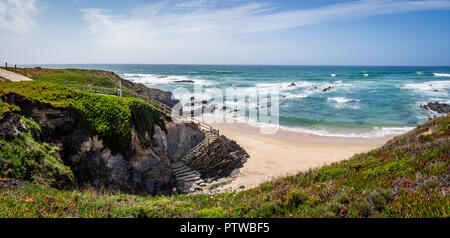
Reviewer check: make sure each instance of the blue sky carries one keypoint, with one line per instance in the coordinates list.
(316, 32)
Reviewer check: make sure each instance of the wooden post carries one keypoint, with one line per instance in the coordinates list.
(15, 68)
(25, 69)
(6, 65)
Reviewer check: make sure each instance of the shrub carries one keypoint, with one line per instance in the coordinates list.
(296, 198)
(380, 198)
(266, 187)
(211, 213)
(425, 138)
(443, 124)
(360, 208)
(242, 209)
(26, 159)
(335, 207)
(268, 210)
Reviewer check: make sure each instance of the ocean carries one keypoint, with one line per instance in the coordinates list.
(360, 101)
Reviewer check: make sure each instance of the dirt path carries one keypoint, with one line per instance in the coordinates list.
(13, 77)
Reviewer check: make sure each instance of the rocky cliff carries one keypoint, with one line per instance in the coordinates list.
(144, 169)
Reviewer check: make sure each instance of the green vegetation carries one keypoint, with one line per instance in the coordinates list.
(408, 177)
(5, 107)
(108, 116)
(98, 78)
(26, 159)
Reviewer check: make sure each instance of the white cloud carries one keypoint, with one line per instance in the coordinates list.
(167, 32)
(248, 18)
(196, 3)
(18, 16)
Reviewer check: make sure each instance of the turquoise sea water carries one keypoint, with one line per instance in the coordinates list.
(363, 101)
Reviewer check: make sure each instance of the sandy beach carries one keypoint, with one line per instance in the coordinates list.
(287, 152)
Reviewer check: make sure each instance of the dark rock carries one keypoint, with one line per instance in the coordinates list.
(327, 89)
(184, 81)
(242, 186)
(437, 107)
(55, 122)
(11, 126)
(179, 139)
(292, 85)
(10, 183)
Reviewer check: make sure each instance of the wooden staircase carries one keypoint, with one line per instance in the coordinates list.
(188, 179)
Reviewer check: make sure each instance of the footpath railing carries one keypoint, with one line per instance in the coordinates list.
(159, 106)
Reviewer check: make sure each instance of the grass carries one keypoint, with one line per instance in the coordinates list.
(98, 78)
(407, 177)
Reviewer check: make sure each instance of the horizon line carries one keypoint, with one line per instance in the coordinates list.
(199, 64)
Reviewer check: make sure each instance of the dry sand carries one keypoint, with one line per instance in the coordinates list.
(287, 153)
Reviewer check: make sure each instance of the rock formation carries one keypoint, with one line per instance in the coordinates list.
(437, 107)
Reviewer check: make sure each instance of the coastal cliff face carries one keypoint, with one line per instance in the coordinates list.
(144, 169)
(179, 139)
(159, 95)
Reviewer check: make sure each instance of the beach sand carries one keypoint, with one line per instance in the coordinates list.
(287, 152)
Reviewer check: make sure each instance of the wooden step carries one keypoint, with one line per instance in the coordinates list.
(177, 165)
(188, 177)
(182, 170)
(190, 172)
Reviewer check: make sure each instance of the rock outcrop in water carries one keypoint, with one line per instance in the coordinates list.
(327, 89)
(436, 107)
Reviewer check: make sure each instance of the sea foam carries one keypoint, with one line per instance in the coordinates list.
(155, 79)
(434, 88)
(342, 100)
(441, 75)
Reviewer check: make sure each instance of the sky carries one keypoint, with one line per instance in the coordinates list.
(315, 32)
